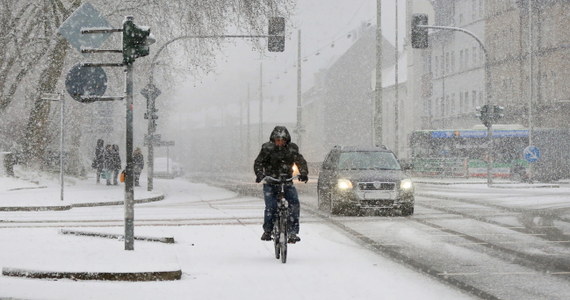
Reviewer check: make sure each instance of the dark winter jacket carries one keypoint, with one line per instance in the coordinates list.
(116, 158)
(99, 160)
(109, 161)
(138, 161)
(274, 161)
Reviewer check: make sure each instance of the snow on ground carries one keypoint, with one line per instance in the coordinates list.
(218, 261)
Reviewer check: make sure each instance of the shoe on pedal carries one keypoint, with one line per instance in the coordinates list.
(266, 236)
(293, 238)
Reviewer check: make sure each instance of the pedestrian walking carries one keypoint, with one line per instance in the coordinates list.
(116, 161)
(99, 159)
(138, 161)
(109, 163)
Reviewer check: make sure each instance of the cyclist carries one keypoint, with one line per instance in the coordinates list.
(275, 159)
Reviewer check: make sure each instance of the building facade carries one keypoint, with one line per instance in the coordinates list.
(542, 100)
(452, 81)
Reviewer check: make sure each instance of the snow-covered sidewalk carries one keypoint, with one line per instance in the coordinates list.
(217, 249)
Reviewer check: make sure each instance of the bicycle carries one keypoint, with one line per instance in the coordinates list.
(280, 221)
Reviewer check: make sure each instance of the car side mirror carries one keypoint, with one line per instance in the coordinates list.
(406, 166)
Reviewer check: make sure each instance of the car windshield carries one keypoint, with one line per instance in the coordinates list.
(368, 160)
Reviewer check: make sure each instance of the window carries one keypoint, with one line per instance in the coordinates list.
(473, 9)
(447, 63)
(461, 60)
(474, 56)
(452, 109)
(436, 66)
(474, 99)
(466, 58)
(452, 61)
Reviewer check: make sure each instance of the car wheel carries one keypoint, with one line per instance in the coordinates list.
(407, 210)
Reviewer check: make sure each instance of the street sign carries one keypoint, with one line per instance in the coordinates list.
(164, 144)
(86, 81)
(150, 91)
(84, 17)
(531, 153)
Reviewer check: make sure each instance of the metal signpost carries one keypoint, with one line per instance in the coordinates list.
(86, 82)
(59, 98)
(150, 92)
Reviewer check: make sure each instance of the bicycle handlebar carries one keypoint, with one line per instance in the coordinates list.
(277, 180)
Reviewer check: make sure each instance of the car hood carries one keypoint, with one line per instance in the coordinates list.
(372, 175)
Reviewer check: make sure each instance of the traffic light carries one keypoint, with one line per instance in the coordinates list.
(490, 114)
(419, 34)
(136, 41)
(484, 115)
(499, 112)
(276, 39)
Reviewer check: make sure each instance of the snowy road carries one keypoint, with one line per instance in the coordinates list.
(496, 243)
(491, 243)
(219, 251)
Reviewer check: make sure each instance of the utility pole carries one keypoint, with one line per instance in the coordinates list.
(397, 102)
(530, 83)
(248, 125)
(260, 103)
(300, 129)
(377, 129)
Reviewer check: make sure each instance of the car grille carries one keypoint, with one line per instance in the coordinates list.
(376, 186)
(377, 203)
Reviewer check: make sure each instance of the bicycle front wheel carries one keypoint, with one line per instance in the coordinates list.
(276, 242)
(283, 238)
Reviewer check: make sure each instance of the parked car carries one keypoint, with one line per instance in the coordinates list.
(363, 180)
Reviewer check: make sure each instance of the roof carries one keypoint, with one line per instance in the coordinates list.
(361, 148)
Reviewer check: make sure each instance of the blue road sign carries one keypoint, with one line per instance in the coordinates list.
(85, 81)
(531, 153)
(86, 16)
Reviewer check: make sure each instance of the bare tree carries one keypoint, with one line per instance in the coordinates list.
(32, 55)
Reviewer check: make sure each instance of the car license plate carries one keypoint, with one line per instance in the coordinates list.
(377, 195)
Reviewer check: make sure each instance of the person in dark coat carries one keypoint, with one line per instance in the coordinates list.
(116, 161)
(138, 161)
(99, 160)
(109, 163)
(276, 159)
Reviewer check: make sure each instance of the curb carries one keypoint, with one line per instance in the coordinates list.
(70, 206)
(166, 240)
(108, 276)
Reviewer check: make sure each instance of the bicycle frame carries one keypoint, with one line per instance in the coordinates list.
(281, 219)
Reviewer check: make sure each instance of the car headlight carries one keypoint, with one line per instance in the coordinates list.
(406, 185)
(344, 184)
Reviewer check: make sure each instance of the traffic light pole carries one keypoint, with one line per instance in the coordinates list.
(129, 178)
(487, 90)
(151, 100)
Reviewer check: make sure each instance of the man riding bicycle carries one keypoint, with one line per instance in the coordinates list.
(276, 159)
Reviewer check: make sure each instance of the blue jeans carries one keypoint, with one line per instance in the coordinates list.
(270, 192)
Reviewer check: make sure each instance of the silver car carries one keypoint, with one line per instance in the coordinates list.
(364, 180)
